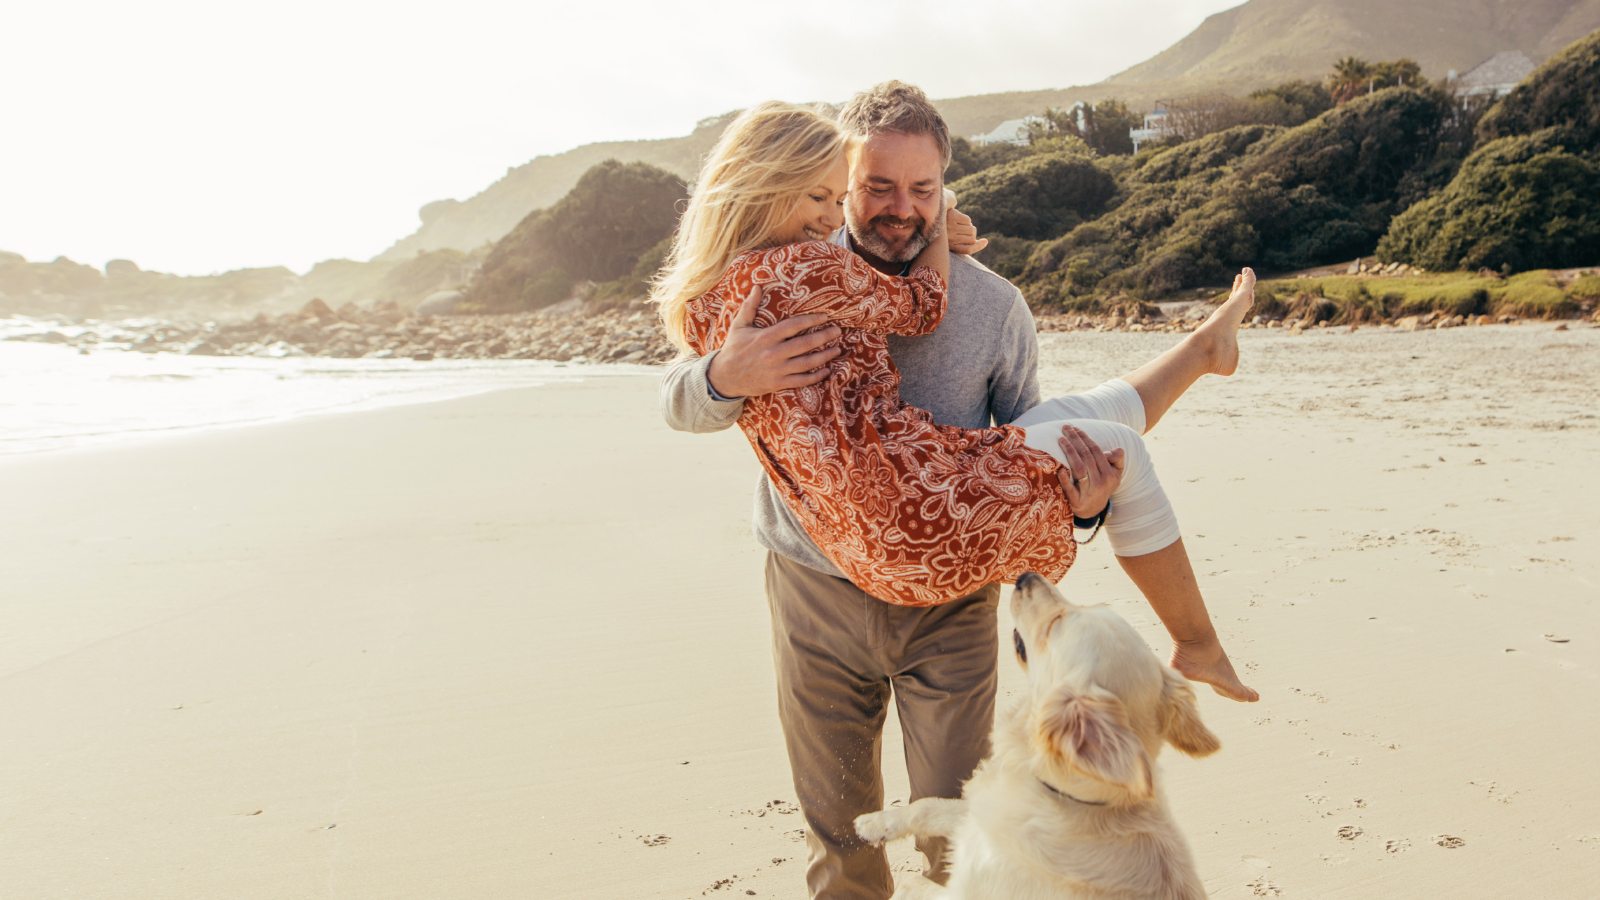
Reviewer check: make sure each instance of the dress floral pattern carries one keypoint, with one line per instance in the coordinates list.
(912, 512)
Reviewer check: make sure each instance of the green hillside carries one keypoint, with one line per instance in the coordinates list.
(1255, 45)
(489, 216)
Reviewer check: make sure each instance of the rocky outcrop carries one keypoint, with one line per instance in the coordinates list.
(626, 334)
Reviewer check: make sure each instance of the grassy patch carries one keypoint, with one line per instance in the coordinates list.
(1586, 288)
(1533, 295)
(1349, 299)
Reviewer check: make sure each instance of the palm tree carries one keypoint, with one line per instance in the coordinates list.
(1349, 78)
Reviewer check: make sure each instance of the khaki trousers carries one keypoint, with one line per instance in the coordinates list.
(839, 654)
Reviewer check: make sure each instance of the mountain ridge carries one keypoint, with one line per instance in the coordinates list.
(1256, 44)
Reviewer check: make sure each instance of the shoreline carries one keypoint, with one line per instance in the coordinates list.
(58, 399)
(516, 642)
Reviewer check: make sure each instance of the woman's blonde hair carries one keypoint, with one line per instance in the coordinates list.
(749, 186)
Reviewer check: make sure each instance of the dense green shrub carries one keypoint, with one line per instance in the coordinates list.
(1361, 152)
(1565, 92)
(1291, 103)
(598, 232)
(1007, 256)
(968, 159)
(1209, 152)
(1523, 202)
(637, 282)
(1037, 197)
(1257, 195)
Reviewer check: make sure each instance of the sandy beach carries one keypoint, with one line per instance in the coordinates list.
(515, 644)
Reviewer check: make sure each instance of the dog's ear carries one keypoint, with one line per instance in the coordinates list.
(1180, 718)
(1090, 733)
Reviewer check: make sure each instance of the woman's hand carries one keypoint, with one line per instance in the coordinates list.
(1090, 477)
(958, 225)
(963, 234)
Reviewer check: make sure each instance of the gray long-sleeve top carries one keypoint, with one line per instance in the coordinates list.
(980, 367)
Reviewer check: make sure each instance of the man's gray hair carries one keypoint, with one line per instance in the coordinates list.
(896, 108)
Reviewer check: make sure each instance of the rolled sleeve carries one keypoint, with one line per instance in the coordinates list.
(687, 402)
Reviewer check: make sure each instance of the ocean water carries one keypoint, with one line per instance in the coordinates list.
(52, 397)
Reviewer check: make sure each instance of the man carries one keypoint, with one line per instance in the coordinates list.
(840, 654)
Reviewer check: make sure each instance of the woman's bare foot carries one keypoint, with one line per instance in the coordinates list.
(1207, 662)
(1219, 334)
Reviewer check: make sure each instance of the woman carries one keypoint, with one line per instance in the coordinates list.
(911, 512)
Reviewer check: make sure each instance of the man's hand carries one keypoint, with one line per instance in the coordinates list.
(963, 234)
(1090, 476)
(755, 361)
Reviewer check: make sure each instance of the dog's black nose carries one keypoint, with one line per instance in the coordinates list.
(1022, 583)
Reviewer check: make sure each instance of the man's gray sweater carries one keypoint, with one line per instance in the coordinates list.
(980, 367)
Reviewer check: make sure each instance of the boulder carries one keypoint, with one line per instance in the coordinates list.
(318, 310)
(1408, 323)
(443, 303)
(121, 268)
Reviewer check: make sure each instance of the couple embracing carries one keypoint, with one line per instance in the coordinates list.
(820, 288)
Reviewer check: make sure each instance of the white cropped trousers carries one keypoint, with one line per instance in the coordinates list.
(1112, 415)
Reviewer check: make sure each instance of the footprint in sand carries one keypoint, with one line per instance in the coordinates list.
(1349, 832)
(655, 840)
(1398, 845)
(1495, 793)
(1261, 887)
(1448, 841)
(1317, 799)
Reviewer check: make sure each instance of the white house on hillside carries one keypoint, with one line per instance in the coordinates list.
(1156, 126)
(1011, 131)
(1495, 76)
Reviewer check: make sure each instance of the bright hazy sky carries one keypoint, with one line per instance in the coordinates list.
(196, 137)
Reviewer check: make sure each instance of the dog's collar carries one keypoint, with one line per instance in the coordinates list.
(1060, 793)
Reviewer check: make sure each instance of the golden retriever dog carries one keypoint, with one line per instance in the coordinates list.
(1069, 805)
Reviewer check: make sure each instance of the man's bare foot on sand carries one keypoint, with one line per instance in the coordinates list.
(1207, 662)
(1220, 333)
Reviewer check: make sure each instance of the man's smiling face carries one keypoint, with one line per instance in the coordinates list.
(896, 203)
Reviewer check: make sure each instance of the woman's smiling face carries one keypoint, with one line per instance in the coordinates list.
(821, 209)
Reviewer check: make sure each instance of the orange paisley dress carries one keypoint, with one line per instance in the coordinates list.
(911, 512)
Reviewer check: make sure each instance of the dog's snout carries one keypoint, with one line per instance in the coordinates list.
(1027, 580)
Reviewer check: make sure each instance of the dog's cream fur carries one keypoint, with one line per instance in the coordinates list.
(1099, 706)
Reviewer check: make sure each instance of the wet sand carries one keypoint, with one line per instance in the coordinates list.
(515, 644)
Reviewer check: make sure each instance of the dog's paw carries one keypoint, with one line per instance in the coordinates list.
(888, 825)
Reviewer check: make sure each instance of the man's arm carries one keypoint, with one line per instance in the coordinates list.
(1014, 386)
(687, 403)
(706, 394)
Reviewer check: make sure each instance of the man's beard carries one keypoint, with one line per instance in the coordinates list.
(922, 234)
